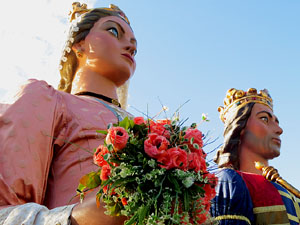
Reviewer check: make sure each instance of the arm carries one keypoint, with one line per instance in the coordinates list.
(26, 155)
(232, 204)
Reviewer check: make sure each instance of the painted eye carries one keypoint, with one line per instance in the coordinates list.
(264, 118)
(114, 31)
(134, 52)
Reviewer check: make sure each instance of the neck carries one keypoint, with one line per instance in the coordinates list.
(247, 159)
(87, 80)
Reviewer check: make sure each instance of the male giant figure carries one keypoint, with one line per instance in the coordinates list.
(252, 133)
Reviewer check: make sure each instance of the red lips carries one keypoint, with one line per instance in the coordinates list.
(129, 57)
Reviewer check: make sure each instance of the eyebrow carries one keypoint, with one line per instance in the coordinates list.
(132, 40)
(269, 114)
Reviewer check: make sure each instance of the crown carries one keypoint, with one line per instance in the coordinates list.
(79, 9)
(235, 99)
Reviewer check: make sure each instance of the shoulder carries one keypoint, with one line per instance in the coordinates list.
(232, 204)
(231, 184)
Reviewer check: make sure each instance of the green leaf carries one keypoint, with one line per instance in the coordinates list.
(186, 201)
(102, 132)
(110, 147)
(193, 125)
(80, 188)
(125, 123)
(132, 219)
(192, 140)
(90, 180)
(185, 147)
(196, 146)
(143, 212)
(175, 183)
(106, 156)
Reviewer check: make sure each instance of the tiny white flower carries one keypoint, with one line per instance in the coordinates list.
(165, 108)
(204, 117)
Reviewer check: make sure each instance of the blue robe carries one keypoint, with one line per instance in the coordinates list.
(245, 198)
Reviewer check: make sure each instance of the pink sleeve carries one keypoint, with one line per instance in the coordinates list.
(27, 128)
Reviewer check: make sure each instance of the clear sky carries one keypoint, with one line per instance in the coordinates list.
(187, 50)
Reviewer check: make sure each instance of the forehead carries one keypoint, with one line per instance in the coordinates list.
(257, 108)
(116, 19)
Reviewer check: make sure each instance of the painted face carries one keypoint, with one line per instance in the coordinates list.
(110, 48)
(262, 133)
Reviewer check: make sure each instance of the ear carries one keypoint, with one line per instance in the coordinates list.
(78, 46)
(242, 132)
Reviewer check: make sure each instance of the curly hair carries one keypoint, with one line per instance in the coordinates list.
(228, 154)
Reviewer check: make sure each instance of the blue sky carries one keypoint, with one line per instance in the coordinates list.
(187, 50)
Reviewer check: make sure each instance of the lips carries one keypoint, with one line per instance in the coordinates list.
(276, 140)
(129, 57)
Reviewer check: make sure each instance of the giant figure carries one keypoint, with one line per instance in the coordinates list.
(47, 136)
(251, 134)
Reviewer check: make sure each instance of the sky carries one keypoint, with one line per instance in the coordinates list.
(192, 50)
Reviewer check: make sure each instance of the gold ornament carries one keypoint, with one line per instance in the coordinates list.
(271, 174)
(235, 99)
(79, 9)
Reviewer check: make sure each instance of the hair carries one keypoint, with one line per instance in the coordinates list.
(228, 154)
(69, 64)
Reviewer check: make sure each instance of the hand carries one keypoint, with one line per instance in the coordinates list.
(270, 173)
(87, 213)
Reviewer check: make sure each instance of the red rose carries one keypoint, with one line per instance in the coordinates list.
(139, 120)
(177, 158)
(196, 161)
(197, 135)
(165, 160)
(155, 144)
(159, 129)
(105, 172)
(117, 136)
(163, 122)
(98, 155)
(124, 201)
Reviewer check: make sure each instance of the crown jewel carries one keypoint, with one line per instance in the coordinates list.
(79, 9)
(235, 99)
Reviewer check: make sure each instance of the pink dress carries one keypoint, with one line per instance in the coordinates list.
(47, 138)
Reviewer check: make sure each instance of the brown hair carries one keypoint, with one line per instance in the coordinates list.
(228, 154)
(68, 65)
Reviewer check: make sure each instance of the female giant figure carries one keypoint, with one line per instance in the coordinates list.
(47, 135)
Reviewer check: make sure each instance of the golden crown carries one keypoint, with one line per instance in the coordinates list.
(79, 9)
(235, 99)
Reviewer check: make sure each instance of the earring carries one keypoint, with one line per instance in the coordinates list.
(79, 53)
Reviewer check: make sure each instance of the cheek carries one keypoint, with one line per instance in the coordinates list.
(100, 44)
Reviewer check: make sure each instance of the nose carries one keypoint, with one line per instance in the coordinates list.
(278, 129)
(131, 48)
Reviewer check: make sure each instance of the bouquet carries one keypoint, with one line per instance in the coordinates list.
(153, 172)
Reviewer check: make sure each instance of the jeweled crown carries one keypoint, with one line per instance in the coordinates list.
(79, 9)
(235, 99)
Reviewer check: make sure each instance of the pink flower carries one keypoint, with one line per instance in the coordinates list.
(155, 144)
(177, 158)
(197, 135)
(197, 161)
(105, 172)
(158, 128)
(139, 120)
(117, 136)
(98, 155)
